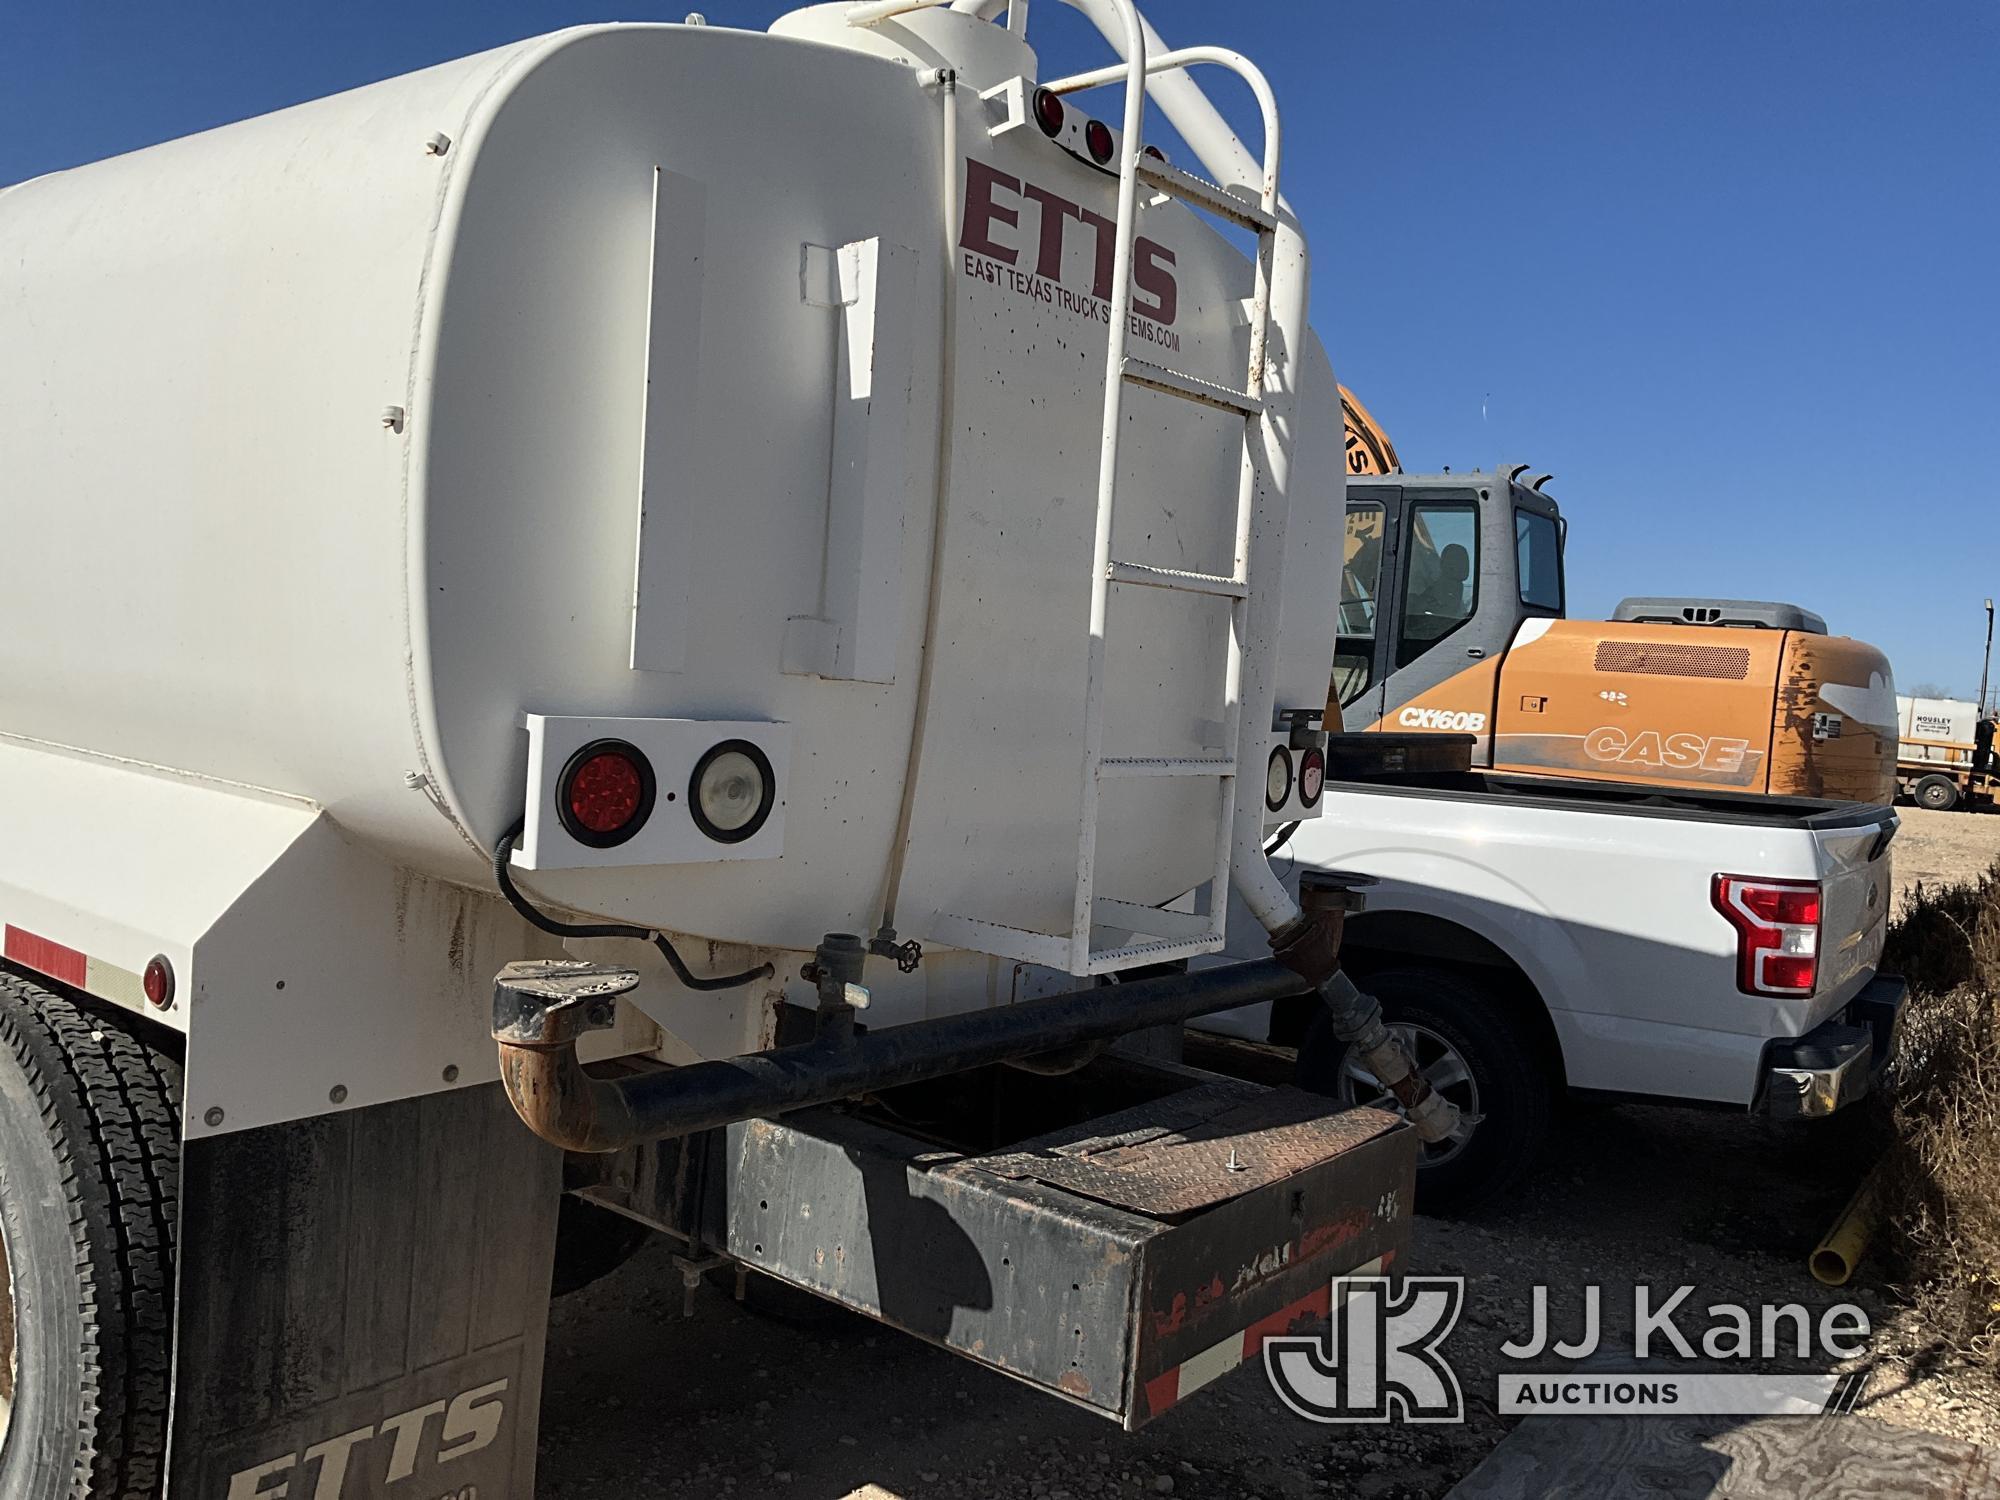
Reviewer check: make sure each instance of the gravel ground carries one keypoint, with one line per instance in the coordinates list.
(1933, 847)
(641, 1401)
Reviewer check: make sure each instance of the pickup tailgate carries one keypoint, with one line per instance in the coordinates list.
(1854, 902)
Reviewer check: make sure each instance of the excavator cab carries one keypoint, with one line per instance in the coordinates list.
(1437, 575)
(1452, 621)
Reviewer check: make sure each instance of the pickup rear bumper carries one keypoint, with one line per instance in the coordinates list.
(1834, 1064)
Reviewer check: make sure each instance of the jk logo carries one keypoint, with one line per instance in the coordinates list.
(1379, 1359)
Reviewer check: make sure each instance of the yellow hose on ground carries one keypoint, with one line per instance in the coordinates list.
(1834, 1259)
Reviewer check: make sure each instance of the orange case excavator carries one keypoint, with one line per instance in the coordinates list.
(1452, 621)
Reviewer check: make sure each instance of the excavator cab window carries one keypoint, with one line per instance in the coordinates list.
(1440, 575)
(1360, 587)
(1538, 552)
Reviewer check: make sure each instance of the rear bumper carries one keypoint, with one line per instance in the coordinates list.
(1834, 1064)
(1121, 1263)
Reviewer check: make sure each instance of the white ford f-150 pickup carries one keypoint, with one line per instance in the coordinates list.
(1533, 938)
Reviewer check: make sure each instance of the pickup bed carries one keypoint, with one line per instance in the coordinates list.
(1534, 938)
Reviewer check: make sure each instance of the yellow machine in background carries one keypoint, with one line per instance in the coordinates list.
(1453, 622)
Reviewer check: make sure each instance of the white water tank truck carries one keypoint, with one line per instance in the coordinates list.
(623, 512)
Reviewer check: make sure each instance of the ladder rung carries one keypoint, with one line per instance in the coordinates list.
(1179, 579)
(1167, 765)
(1174, 383)
(1203, 194)
(1105, 960)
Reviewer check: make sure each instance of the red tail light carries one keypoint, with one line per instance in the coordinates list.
(1049, 112)
(1097, 137)
(1312, 776)
(1777, 932)
(605, 793)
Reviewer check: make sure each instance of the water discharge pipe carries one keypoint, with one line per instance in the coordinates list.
(541, 1007)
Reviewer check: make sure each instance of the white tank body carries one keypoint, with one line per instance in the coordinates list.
(321, 445)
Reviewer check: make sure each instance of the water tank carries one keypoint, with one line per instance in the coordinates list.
(600, 375)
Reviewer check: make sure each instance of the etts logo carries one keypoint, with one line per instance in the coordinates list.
(471, 1422)
(995, 204)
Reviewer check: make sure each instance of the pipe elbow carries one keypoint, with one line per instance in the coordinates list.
(561, 1103)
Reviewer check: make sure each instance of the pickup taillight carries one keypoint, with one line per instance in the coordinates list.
(1777, 932)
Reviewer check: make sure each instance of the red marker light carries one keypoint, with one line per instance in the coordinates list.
(1312, 776)
(1049, 113)
(1153, 151)
(158, 982)
(1097, 137)
(605, 793)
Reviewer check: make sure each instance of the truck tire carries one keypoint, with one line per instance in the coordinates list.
(90, 1160)
(591, 1243)
(1467, 1041)
(1938, 793)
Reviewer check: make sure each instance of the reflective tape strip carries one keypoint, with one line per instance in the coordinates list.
(45, 957)
(80, 970)
(119, 986)
(1219, 1358)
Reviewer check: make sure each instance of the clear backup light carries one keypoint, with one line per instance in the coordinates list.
(605, 793)
(1777, 932)
(1278, 779)
(732, 791)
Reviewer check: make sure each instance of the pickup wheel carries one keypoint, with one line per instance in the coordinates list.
(90, 1160)
(1463, 1038)
(1938, 793)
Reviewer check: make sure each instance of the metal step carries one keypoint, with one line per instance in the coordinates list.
(1188, 388)
(1151, 951)
(1167, 765)
(1182, 580)
(1052, 952)
(1204, 194)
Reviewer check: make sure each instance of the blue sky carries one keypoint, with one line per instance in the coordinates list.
(1729, 268)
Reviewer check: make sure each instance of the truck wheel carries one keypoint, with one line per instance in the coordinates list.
(1463, 1039)
(90, 1161)
(1938, 793)
(591, 1243)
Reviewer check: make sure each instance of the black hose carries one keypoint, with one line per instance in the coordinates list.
(503, 876)
(1284, 837)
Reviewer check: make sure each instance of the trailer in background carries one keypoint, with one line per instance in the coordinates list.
(1937, 755)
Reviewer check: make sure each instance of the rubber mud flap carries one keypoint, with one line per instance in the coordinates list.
(363, 1302)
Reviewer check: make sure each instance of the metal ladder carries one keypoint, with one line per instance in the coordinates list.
(1164, 935)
